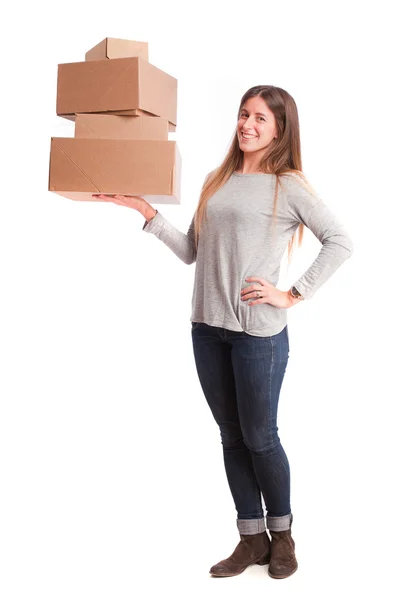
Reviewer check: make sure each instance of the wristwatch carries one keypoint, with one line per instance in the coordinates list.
(295, 293)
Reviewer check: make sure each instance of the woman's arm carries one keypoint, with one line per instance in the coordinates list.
(149, 214)
(180, 243)
(337, 245)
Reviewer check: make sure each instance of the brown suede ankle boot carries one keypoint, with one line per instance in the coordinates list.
(252, 549)
(283, 560)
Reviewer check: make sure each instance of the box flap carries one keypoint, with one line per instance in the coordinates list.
(63, 167)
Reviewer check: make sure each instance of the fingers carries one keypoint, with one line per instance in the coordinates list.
(110, 198)
(127, 198)
(250, 292)
(121, 200)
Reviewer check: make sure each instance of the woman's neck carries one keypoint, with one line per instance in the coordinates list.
(249, 165)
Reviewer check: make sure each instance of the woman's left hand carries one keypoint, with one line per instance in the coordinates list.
(269, 294)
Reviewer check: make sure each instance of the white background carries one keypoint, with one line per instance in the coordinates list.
(113, 484)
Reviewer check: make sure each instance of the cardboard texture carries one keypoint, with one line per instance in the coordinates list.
(117, 48)
(114, 127)
(81, 167)
(137, 113)
(122, 84)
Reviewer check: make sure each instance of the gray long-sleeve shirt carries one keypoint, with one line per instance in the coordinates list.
(239, 240)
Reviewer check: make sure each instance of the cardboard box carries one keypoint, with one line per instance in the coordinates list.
(117, 48)
(121, 128)
(133, 113)
(82, 167)
(114, 86)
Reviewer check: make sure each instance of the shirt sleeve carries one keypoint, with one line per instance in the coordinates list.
(180, 243)
(337, 245)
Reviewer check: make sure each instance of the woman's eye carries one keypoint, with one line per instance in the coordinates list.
(244, 115)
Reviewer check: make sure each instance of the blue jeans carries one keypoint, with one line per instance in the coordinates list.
(241, 376)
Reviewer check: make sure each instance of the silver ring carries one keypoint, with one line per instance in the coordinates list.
(257, 294)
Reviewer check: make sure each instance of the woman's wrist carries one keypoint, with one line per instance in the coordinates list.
(291, 300)
(149, 213)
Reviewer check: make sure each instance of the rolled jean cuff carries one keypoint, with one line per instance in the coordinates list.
(279, 523)
(251, 526)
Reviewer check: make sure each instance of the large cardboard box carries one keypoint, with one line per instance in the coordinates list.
(82, 167)
(117, 48)
(121, 128)
(119, 86)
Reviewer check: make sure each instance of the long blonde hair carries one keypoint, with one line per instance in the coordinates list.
(283, 156)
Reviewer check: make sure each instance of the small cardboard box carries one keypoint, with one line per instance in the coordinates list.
(82, 167)
(117, 48)
(121, 128)
(129, 86)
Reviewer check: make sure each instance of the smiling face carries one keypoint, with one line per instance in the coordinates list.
(256, 125)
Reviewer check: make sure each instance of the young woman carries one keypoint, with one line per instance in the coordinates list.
(248, 213)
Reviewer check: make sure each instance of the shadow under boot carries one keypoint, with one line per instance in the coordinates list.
(283, 561)
(252, 549)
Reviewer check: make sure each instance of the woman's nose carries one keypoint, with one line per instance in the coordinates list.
(249, 123)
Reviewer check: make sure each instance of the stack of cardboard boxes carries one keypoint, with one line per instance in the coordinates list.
(123, 108)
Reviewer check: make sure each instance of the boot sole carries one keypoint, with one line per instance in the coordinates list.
(282, 576)
(262, 561)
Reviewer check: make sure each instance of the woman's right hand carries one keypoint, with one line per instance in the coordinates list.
(136, 202)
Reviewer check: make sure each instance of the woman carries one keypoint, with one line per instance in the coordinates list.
(248, 213)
